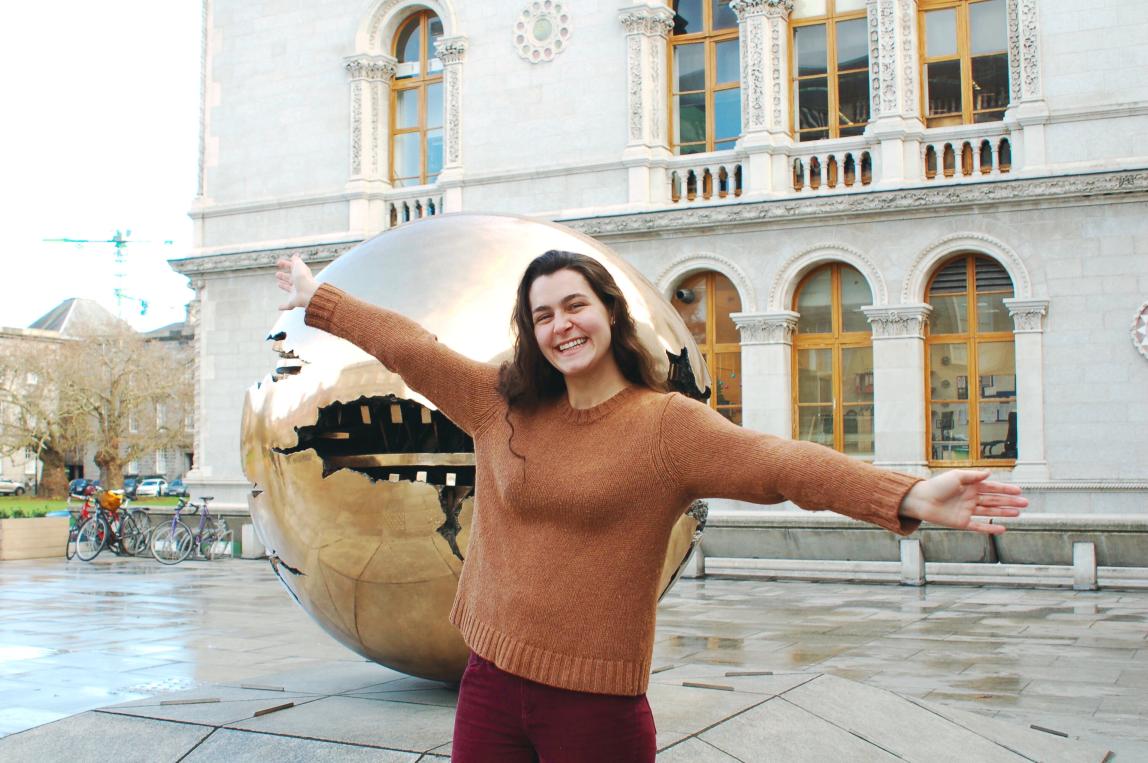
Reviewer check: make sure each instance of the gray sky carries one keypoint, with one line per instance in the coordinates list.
(100, 131)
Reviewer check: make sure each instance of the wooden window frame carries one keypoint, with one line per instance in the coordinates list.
(710, 39)
(830, 19)
(711, 348)
(963, 54)
(422, 83)
(972, 340)
(836, 340)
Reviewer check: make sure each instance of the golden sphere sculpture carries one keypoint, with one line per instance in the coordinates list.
(362, 490)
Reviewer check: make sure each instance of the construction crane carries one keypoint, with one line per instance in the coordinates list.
(120, 240)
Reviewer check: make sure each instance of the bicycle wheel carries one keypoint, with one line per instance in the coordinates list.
(70, 549)
(171, 543)
(217, 546)
(91, 538)
(133, 538)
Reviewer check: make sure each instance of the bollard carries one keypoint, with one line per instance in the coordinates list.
(1084, 566)
(252, 546)
(912, 562)
(695, 566)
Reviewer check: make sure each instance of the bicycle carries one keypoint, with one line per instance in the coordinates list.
(101, 524)
(173, 542)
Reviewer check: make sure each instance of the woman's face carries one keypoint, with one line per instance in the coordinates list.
(571, 324)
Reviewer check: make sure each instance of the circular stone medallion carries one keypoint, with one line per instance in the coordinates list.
(1140, 330)
(542, 31)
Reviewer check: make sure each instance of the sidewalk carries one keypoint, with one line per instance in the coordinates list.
(74, 637)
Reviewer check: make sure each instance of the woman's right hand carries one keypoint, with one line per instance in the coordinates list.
(294, 277)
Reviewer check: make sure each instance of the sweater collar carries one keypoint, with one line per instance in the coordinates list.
(589, 415)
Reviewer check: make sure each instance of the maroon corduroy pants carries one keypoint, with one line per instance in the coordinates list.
(502, 718)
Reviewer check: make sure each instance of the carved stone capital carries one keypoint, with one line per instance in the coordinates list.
(1027, 314)
(371, 68)
(450, 50)
(766, 328)
(898, 321)
(769, 8)
(649, 20)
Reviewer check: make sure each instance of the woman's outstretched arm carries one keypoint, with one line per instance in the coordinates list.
(464, 389)
(710, 457)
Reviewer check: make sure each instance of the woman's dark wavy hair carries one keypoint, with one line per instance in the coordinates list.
(529, 379)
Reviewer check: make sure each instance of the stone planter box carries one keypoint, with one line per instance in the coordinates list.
(33, 537)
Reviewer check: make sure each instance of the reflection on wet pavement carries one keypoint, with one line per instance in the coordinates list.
(78, 636)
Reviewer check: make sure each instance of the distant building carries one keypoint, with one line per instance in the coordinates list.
(913, 230)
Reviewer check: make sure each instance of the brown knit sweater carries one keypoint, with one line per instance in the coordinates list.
(560, 583)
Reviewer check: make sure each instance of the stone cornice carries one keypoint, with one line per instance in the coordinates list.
(261, 259)
(650, 20)
(941, 198)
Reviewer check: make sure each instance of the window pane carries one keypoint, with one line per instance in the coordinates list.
(407, 108)
(809, 50)
(723, 17)
(727, 369)
(693, 307)
(992, 315)
(815, 303)
(690, 112)
(990, 82)
(727, 114)
(996, 362)
(690, 67)
(806, 8)
(949, 371)
(434, 29)
(950, 314)
(812, 103)
(943, 81)
(998, 429)
(815, 424)
(857, 430)
(434, 105)
(728, 62)
(407, 43)
(687, 16)
(694, 148)
(950, 432)
(855, 293)
(815, 376)
(853, 94)
(848, 6)
(726, 145)
(988, 26)
(407, 159)
(857, 365)
(941, 33)
(852, 45)
(434, 153)
(727, 301)
(813, 135)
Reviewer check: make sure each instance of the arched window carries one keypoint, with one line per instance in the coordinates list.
(830, 68)
(833, 361)
(705, 81)
(971, 364)
(965, 58)
(705, 301)
(416, 103)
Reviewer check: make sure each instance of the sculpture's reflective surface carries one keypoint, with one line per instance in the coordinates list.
(362, 488)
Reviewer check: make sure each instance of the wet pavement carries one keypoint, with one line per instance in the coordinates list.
(75, 636)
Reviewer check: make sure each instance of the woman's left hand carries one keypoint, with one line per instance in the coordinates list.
(952, 499)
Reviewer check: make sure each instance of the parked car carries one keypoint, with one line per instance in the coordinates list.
(150, 488)
(131, 482)
(76, 486)
(177, 488)
(11, 487)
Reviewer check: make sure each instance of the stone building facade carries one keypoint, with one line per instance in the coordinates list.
(914, 230)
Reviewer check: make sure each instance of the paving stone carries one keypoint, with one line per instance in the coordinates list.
(694, 750)
(233, 705)
(247, 747)
(98, 737)
(689, 710)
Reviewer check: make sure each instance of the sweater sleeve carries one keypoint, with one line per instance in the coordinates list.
(707, 456)
(464, 390)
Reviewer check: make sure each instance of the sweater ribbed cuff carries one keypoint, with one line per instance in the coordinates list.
(321, 309)
(886, 500)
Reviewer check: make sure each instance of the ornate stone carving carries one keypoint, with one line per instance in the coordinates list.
(372, 68)
(775, 29)
(766, 328)
(887, 53)
(648, 20)
(453, 119)
(874, 62)
(204, 52)
(790, 273)
(356, 127)
(1029, 44)
(693, 263)
(634, 86)
(746, 9)
(450, 50)
(1027, 314)
(1013, 51)
(909, 104)
(1140, 330)
(542, 31)
(658, 105)
(898, 321)
(258, 260)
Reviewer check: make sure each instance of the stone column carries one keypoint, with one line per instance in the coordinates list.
(647, 26)
(451, 51)
(894, 97)
(1028, 332)
(898, 389)
(766, 370)
(371, 78)
(763, 28)
(1027, 113)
